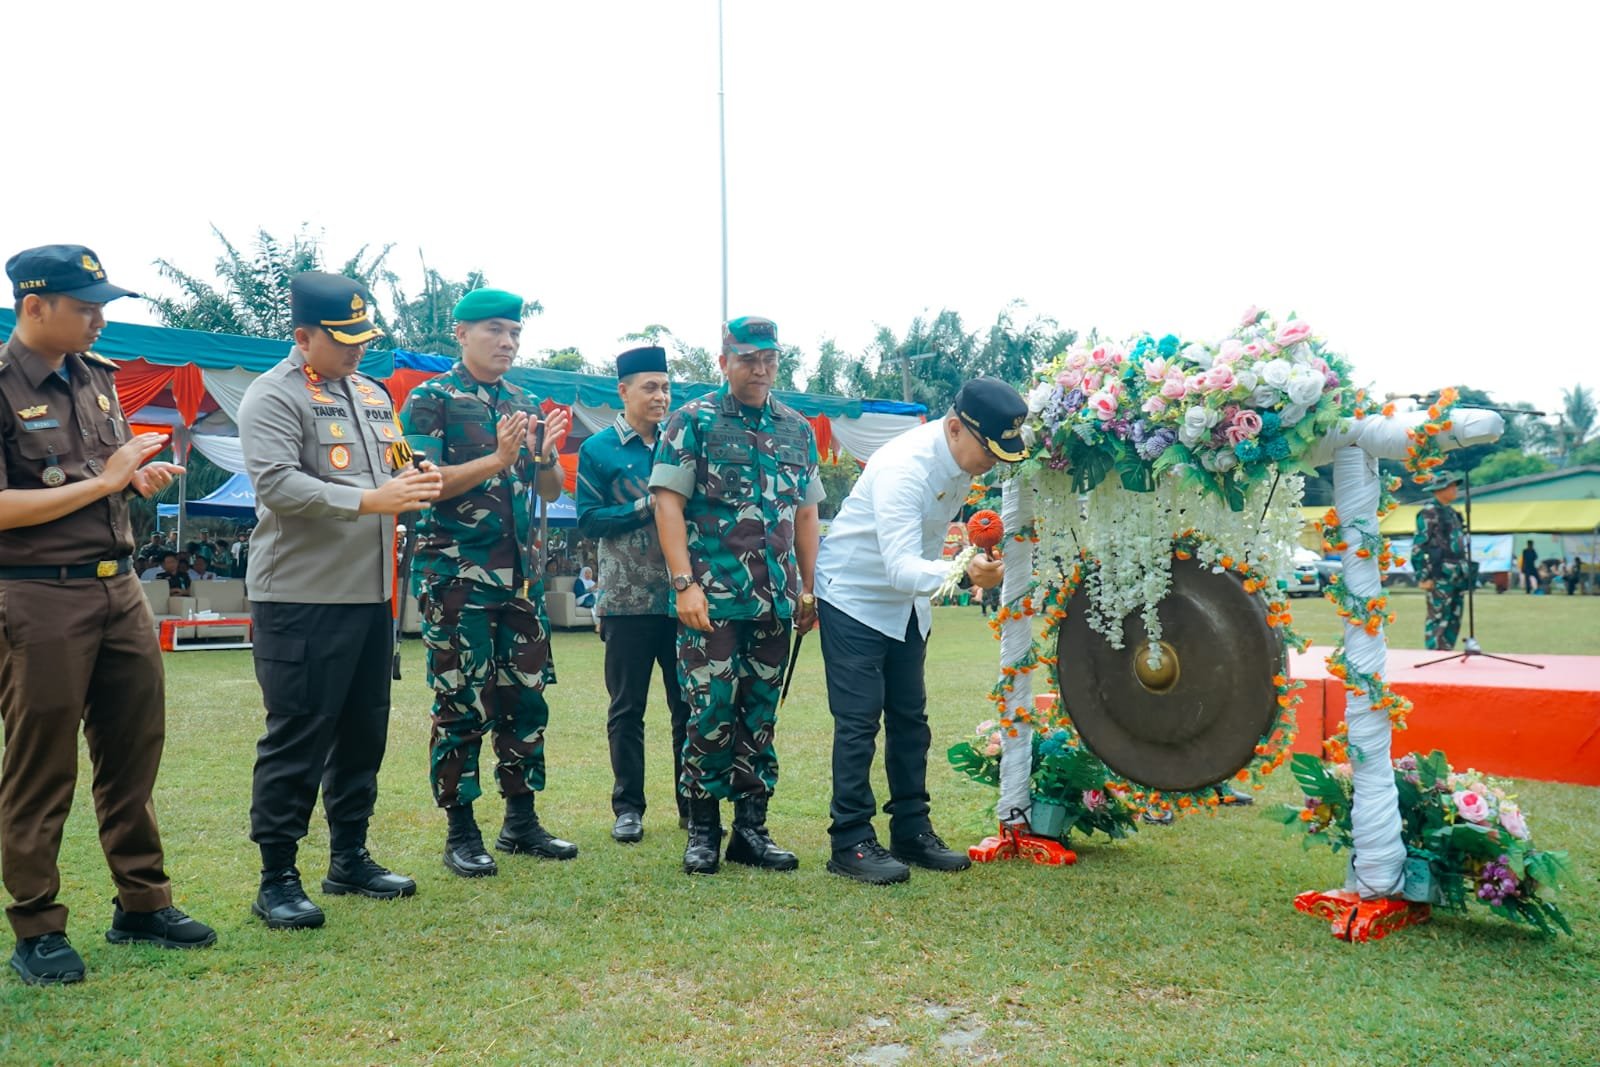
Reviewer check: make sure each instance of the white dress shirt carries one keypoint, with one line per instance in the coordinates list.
(882, 556)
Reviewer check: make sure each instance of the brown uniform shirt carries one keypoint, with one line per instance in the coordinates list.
(75, 425)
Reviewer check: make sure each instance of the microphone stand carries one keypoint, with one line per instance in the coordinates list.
(1470, 646)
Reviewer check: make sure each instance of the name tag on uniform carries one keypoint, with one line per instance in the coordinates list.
(40, 424)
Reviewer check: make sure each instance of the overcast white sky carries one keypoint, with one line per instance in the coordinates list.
(1417, 180)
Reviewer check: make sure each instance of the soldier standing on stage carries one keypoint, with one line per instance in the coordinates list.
(330, 471)
(1439, 560)
(736, 509)
(480, 591)
(77, 640)
(617, 510)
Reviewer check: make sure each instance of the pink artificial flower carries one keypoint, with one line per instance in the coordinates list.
(992, 749)
(1094, 799)
(1254, 350)
(1318, 363)
(1293, 332)
(1069, 379)
(1228, 352)
(1471, 806)
(1174, 386)
(1100, 356)
(1251, 314)
(1154, 406)
(1219, 378)
(1104, 405)
(1245, 425)
(1512, 820)
(1194, 383)
(1091, 381)
(1078, 360)
(1156, 369)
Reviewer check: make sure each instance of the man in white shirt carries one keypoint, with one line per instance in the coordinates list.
(877, 568)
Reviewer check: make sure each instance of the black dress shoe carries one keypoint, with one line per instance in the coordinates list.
(357, 872)
(629, 829)
(283, 903)
(48, 959)
(928, 850)
(868, 862)
(167, 927)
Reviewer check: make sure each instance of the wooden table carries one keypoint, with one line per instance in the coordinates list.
(170, 628)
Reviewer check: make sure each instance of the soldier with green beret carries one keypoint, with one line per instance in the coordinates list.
(481, 595)
(736, 491)
(1439, 560)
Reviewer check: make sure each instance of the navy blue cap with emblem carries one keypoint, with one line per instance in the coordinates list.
(340, 305)
(61, 270)
(640, 360)
(995, 412)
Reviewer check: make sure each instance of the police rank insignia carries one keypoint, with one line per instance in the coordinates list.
(339, 457)
(53, 476)
(104, 402)
(34, 412)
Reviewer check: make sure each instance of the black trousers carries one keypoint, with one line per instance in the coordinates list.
(637, 645)
(324, 674)
(872, 676)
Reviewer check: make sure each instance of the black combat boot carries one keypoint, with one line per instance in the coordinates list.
(283, 903)
(703, 853)
(355, 871)
(464, 853)
(522, 834)
(750, 844)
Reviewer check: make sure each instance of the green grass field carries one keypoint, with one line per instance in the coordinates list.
(1179, 946)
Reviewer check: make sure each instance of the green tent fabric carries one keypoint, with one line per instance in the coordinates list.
(1511, 516)
(208, 351)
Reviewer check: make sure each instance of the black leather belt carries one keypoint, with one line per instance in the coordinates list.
(106, 568)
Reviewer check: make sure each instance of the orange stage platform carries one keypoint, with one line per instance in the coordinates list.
(1500, 718)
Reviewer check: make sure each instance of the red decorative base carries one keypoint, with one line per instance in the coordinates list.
(1354, 919)
(1014, 842)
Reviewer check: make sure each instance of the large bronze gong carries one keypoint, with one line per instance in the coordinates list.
(1194, 720)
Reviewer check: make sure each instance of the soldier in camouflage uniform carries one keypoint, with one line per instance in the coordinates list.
(736, 509)
(481, 596)
(1439, 559)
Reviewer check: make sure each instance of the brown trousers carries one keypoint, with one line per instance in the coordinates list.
(77, 652)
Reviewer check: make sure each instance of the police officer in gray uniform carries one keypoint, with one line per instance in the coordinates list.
(330, 470)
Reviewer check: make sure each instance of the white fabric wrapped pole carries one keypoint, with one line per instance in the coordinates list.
(1380, 855)
(1016, 638)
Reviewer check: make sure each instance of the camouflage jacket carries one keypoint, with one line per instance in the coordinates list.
(613, 509)
(482, 534)
(1440, 540)
(744, 473)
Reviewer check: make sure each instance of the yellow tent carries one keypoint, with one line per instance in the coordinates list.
(1511, 516)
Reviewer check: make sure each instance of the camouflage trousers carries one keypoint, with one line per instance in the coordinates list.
(731, 679)
(1444, 609)
(488, 662)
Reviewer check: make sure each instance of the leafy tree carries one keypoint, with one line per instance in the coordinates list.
(567, 359)
(838, 479)
(1586, 453)
(1503, 466)
(1012, 353)
(425, 322)
(687, 363)
(790, 358)
(825, 376)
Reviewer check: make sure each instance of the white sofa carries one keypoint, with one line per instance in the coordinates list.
(225, 596)
(562, 604)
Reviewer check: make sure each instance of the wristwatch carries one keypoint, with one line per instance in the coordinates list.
(680, 582)
(807, 600)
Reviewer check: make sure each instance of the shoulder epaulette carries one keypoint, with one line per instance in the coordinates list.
(95, 357)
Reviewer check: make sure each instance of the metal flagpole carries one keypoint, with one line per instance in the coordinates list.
(722, 149)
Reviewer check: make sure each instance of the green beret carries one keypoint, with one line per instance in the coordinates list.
(489, 304)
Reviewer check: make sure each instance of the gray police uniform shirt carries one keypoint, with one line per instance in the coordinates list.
(312, 446)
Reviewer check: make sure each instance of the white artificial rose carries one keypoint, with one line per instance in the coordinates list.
(1244, 379)
(1305, 386)
(1208, 459)
(1264, 396)
(1291, 414)
(1197, 354)
(1225, 461)
(1276, 372)
(1040, 397)
(1302, 352)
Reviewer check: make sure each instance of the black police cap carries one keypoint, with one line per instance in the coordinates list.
(340, 305)
(995, 412)
(67, 270)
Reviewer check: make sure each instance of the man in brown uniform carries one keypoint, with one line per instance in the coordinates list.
(77, 641)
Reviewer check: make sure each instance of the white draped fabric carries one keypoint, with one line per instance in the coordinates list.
(863, 436)
(227, 388)
(225, 452)
(1016, 638)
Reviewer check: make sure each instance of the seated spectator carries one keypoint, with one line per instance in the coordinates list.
(199, 571)
(1572, 574)
(584, 587)
(177, 580)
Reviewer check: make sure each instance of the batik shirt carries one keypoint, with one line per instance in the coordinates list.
(614, 509)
